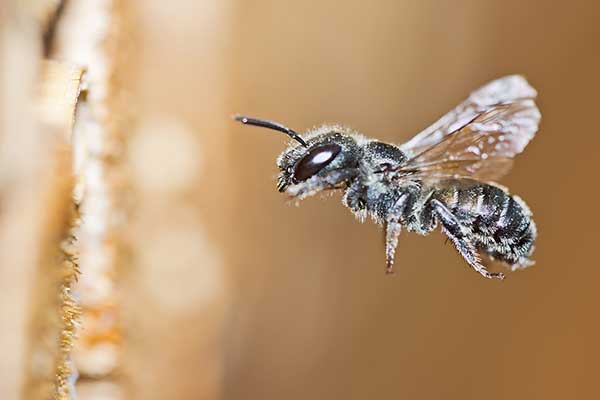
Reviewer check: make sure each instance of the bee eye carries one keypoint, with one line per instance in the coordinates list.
(315, 160)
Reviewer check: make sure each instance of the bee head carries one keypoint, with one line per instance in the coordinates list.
(325, 149)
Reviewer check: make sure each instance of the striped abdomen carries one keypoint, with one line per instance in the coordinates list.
(500, 224)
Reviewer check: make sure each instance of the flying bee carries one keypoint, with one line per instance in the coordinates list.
(443, 176)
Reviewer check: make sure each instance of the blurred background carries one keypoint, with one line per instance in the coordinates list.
(227, 290)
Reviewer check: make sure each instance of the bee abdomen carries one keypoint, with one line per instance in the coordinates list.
(503, 227)
(500, 224)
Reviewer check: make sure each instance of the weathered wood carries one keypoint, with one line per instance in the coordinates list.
(37, 267)
(89, 33)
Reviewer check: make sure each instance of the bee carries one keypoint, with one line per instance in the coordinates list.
(443, 176)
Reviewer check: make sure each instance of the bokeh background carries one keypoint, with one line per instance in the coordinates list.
(309, 312)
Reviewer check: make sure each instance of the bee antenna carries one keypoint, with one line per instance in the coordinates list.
(264, 123)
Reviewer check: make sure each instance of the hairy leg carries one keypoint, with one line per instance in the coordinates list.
(316, 184)
(392, 231)
(452, 228)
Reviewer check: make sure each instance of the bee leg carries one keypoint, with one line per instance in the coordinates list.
(454, 231)
(392, 231)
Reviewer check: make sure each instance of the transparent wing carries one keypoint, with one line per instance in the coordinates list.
(479, 138)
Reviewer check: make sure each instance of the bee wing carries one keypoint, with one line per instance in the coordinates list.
(479, 138)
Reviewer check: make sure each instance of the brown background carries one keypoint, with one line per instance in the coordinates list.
(312, 314)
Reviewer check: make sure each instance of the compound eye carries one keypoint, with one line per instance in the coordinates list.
(315, 160)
